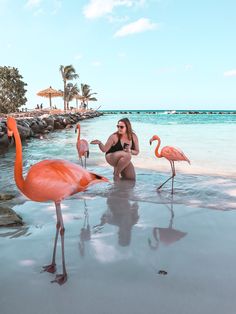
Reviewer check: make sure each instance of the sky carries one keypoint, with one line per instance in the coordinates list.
(136, 54)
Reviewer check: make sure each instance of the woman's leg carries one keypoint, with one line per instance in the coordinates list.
(119, 160)
(129, 172)
(122, 163)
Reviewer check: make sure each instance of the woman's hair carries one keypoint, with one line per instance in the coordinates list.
(129, 130)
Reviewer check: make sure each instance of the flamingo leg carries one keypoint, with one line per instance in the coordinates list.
(173, 176)
(168, 178)
(52, 267)
(81, 160)
(61, 278)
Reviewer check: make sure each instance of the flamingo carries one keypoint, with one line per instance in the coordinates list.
(82, 146)
(51, 180)
(170, 153)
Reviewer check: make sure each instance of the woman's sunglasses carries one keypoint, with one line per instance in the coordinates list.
(120, 126)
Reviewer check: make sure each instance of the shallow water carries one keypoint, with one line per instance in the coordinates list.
(210, 180)
(115, 251)
(120, 236)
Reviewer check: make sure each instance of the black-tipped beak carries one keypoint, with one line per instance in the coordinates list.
(75, 130)
(150, 142)
(10, 135)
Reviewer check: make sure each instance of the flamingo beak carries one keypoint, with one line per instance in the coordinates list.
(75, 130)
(9, 133)
(150, 142)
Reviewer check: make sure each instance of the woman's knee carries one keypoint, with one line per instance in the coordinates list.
(126, 157)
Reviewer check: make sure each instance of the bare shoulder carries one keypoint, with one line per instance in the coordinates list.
(113, 138)
(135, 138)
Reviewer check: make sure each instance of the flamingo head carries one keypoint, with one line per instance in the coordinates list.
(77, 127)
(11, 125)
(154, 138)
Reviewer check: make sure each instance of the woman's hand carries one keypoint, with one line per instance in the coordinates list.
(127, 148)
(95, 142)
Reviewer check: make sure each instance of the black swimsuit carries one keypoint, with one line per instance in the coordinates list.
(118, 147)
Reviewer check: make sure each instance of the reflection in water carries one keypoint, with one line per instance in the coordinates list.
(85, 233)
(16, 233)
(166, 236)
(121, 211)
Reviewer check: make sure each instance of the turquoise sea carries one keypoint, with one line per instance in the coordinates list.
(208, 140)
(133, 231)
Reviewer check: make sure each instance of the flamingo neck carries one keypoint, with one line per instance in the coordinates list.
(158, 145)
(78, 138)
(18, 161)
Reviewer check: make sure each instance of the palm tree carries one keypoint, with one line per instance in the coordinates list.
(68, 73)
(87, 95)
(72, 90)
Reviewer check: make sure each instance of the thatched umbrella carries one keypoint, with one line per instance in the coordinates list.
(49, 93)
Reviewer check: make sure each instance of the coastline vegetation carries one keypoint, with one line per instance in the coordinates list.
(12, 89)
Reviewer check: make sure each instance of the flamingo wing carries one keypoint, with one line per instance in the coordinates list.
(83, 148)
(56, 179)
(174, 154)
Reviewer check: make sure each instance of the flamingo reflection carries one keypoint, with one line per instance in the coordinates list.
(166, 236)
(85, 232)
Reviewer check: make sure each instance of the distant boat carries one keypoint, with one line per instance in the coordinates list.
(170, 112)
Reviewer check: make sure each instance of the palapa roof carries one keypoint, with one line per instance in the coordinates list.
(50, 92)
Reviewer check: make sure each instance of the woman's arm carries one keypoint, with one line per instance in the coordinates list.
(107, 146)
(135, 151)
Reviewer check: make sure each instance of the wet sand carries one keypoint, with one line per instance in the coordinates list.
(117, 242)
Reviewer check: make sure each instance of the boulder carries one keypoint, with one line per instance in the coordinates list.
(9, 218)
(25, 132)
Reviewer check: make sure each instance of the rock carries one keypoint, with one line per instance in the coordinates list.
(50, 128)
(25, 132)
(8, 218)
(4, 141)
(6, 197)
(49, 122)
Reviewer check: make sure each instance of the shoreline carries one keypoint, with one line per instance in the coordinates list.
(38, 123)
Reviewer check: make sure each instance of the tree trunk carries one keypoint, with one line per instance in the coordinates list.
(64, 95)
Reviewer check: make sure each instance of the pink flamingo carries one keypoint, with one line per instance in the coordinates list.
(82, 146)
(51, 180)
(170, 153)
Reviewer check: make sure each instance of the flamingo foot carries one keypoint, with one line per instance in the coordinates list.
(50, 268)
(60, 279)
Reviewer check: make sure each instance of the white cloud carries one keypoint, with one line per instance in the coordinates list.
(57, 4)
(42, 7)
(139, 26)
(230, 73)
(99, 8)
(33, 3)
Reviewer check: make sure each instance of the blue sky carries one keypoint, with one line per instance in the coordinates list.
(136, 54)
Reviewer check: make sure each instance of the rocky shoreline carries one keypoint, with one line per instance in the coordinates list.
(39, 123)
(33, 125)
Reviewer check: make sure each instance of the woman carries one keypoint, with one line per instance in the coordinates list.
(119, 149)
